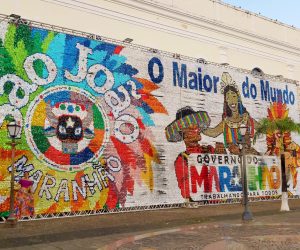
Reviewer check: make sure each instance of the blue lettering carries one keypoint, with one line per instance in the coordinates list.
(253, 91)
(193, 80)
(216, 80)
(200, 79)
(273, 94)
(276, 95)
(292, 98)
(286, 95)
(279, 95)
(224, 177)
(207, 83)
(265, 95)
(180, 78)
(245, 88)
(156, 79)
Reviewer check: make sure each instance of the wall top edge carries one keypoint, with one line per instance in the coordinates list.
(220, 2)
(256, 14)
(174, 12)
(18, 20)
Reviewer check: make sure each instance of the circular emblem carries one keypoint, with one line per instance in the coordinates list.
(66, 127)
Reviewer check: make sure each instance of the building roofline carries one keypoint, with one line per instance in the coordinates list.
(256, 14)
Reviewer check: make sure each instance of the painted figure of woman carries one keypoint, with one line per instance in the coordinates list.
(24, 206)
(234, 116)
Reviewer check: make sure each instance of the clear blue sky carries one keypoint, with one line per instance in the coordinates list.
(286, 11)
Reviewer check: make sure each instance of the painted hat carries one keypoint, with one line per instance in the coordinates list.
(186, 117)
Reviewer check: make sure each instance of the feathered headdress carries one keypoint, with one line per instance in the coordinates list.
(226, 80)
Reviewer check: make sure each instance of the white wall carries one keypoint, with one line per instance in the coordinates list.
(208, 29)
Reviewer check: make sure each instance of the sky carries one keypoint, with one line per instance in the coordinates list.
(286, 11)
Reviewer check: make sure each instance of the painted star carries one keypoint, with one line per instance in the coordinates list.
(236, 180)
(70, 123)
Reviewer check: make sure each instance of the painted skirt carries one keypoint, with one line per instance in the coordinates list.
(24, 204)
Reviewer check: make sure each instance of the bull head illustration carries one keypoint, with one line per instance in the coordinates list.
(69, 122)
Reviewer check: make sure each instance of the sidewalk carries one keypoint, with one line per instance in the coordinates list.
(193, 228)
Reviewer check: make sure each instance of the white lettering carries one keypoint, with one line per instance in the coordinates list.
(63, 188)
(50, 65)
(92, 72)
(82, 189)
(130, 134)
(114, 164)
(46, 186)
(114, 101)
(82, 64)
(19, 84)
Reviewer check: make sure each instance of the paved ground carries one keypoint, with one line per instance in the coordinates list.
(210, 227)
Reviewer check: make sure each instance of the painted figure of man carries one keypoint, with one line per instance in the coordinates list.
(187, 128)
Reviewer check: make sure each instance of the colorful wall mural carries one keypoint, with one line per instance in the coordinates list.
(107, 126)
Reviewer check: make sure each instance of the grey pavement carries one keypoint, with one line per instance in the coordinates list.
(206, 227)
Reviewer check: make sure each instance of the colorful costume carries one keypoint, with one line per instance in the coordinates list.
(231, 129)
(182, 169)
(176, 131)
(24, 205)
